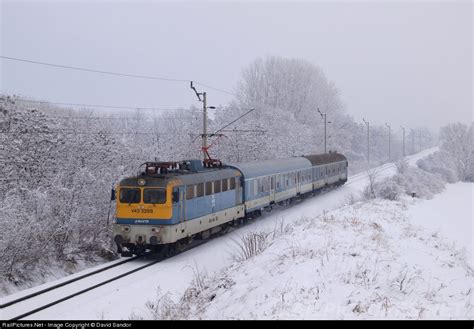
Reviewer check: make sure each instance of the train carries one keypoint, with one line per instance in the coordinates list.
(168, 205)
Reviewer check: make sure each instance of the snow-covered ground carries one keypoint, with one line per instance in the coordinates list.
(450, 214)
(363, 261)
(119, 299)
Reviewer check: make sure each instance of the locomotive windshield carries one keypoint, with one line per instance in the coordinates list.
(154, 195)
(129, 195)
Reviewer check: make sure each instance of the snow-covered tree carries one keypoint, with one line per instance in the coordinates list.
(457, 140)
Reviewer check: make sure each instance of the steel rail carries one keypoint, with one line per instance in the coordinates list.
(38, 309)
(40, 292)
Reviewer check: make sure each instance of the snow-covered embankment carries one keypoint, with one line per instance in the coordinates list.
(368, 260)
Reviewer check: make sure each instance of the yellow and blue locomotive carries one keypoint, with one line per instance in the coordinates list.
(171, 202)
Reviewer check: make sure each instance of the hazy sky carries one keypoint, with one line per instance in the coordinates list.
(402, 63)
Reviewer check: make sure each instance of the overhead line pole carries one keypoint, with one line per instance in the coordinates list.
(420, 140)
(204, 120)
(389, 137)
(368, 142)
(323, 115)
(403, 140)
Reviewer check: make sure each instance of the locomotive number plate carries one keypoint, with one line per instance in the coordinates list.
(143, 211)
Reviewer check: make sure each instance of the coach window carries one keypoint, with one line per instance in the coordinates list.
(208, 188)
(224, 185)
(232, 183)
(189, 192)
(129, 195)
(217, 186)
(154, 195)
(199, 190)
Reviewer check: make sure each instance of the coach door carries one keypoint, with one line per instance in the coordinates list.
(179, 205)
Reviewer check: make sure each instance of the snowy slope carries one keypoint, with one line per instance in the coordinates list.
(450, 214)
(364, 261)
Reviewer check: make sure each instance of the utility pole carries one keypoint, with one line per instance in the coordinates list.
(412, 141)
(368, 142)
(389, 136)
(403, 140)
(420, 140)
(204, 120)
(323, 115)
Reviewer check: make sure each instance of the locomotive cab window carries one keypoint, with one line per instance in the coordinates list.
(154, 195)
(130, 195)
(175, 196)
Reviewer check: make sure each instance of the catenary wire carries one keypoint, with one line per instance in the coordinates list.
(68, 67)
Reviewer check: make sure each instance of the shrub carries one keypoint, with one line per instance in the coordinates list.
(388, 189)
(251, 244)
(440, 163)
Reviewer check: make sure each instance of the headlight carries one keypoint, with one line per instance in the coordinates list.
(118, 239)
(155, 229)
(141, 182)
(126, 228)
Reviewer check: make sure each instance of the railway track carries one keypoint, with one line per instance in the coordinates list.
(37, 306)
(60, 295)
(363, 175)
(40, 292)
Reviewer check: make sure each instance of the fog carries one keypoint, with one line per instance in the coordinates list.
(403, 63)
